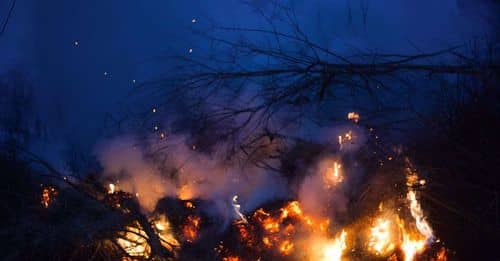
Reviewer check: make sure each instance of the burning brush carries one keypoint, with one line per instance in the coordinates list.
(284, 231)
(304, 227)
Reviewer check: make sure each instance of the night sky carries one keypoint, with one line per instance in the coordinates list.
(83, 57)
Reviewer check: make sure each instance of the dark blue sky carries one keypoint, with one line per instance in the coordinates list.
(121, 38)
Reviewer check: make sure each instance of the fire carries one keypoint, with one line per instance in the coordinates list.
(441, 255)
(186, 192)
(411, 247)
(286, 247)
(111, 188)
(333, 251)
(134, 240)
(353, 116)
(245, 234)
(416, 211)
(415, 243)
(381, 239)
(348, 136)
(231, 258)
(191, 228)
(278, 230)
(189, 204)
(48, 196)
(333, 175)
(165, 233)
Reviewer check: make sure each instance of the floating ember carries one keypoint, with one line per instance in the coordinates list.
(342, 139)
(353, 116)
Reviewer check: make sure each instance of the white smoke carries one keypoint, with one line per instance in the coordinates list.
(198, 175)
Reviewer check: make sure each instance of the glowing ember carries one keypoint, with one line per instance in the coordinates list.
(286, 247)
(333, 175)
(353, 117)
(348, 136)
(189, 204)
(48, 196)
(441, 255)
(380, 240)
(278, 230)
(191, 228)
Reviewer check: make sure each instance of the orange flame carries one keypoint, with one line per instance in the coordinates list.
(333, 176)
(191, 228)
(353, 116)
(134, 240)
(334, 250)
(381, 239)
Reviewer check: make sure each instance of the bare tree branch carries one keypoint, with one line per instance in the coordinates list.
(9, 14)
